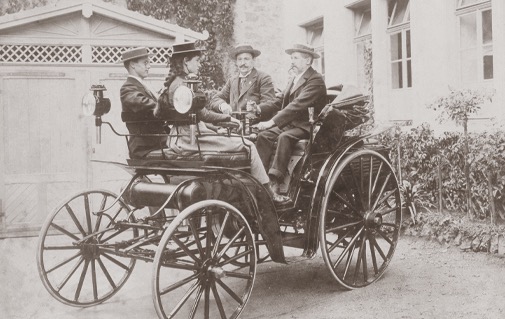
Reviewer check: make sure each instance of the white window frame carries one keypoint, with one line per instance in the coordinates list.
(311, 28)
(475, 8)
(393, 29)
(460, 6)
(361, 41)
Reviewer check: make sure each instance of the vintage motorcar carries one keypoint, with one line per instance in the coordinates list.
(210, 222)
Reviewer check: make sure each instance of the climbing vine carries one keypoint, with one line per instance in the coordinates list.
(368, 67)
(215, 16)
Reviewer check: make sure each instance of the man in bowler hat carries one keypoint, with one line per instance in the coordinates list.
(291, 123)
(250, 90)
(138, 103)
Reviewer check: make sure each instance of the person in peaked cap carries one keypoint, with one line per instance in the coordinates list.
(138, 103)
(291, 123)
(249, 90)
(185, 61)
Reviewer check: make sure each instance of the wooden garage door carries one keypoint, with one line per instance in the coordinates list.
(44, 143)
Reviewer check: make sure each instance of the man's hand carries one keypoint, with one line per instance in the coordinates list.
(222, 131)
(278, 93)
(251, 106)
(238, 122)
(225, 108)
(265, 125)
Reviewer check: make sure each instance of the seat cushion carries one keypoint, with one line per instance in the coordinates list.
(167, 157)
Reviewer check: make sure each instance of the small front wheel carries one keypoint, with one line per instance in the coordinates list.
(194, 273)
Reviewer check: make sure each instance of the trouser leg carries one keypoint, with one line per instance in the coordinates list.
(265, 144)
(285, 143)
(257, 168)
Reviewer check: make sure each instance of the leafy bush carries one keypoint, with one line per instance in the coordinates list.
(424, 156)
(13, 6)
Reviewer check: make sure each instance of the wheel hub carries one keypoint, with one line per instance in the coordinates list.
(218, 272)
(209, 269)
(373, 220)
(90, 249)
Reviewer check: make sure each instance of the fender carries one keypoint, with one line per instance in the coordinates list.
(320, 188)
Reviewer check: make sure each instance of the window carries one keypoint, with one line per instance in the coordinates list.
(363, 23)
(475, 40)
(315, 37)
(363, 41)
(400, 48)
(465, 3)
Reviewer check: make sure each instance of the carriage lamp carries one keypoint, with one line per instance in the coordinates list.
(93, 103)
(187, 100)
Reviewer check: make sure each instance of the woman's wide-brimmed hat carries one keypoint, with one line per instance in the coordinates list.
(304, 49)
(244, 48)
(134, 54)
(184, 48)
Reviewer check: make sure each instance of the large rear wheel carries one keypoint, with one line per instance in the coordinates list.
(360, 219)
(194, 273)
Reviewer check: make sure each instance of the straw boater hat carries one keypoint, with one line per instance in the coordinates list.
(244, 48)
(304, 49)
(134, 54)
(183, 48)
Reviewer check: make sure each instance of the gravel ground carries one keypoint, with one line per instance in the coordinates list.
(424, 280)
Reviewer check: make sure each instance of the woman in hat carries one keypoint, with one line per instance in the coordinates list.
(184, 62)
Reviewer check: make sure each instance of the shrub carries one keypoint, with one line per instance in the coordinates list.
(424, 156)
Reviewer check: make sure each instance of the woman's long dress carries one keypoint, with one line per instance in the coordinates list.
(212, 143)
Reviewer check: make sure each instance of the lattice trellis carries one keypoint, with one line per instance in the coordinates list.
(110, 54)
(40, 53)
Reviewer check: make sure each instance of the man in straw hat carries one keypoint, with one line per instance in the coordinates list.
(291, 123)
(250, 90)
(138, 103)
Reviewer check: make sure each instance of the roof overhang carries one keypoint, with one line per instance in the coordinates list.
(89, 7)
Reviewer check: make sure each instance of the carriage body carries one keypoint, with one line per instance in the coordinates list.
(210, 220)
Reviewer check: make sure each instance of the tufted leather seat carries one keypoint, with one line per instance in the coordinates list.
(169, 158)
(222, 159)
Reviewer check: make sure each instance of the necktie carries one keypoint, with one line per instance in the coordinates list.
(291, 85)
(242, 82)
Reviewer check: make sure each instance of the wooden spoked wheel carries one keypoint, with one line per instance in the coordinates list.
(262, 253)
(192, 278)
(77, 267)
(360, 219)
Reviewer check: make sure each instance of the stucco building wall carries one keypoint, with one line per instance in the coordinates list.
(260, 23)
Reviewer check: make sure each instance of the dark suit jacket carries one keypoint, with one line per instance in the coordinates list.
(258, 88)
(137, 102)
(294, 103)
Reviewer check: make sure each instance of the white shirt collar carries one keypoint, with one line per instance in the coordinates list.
(244, 76)
(298, 77)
